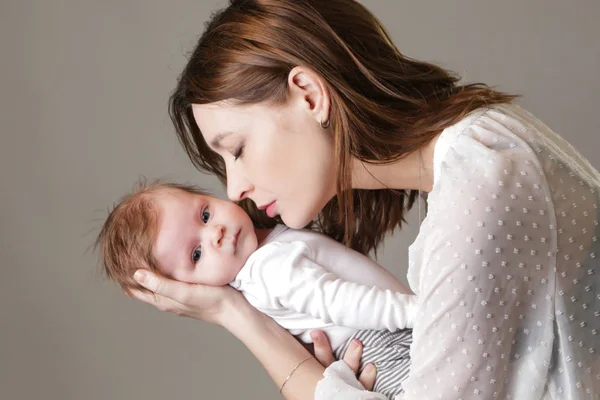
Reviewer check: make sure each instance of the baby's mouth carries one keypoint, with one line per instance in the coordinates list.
(235, 240)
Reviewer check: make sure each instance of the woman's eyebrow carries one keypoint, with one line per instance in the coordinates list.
(216, 142)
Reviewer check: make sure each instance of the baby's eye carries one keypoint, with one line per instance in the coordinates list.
(196, 254)
(205, 216)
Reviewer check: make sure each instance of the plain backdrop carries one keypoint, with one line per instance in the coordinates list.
(83, 112)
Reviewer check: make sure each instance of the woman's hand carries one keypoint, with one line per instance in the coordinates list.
(324, 354)
(205, 303)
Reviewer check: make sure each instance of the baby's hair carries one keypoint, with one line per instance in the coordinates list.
(127, 238)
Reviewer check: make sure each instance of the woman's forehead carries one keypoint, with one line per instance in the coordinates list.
(216, 117)
(227, 108)
(216, 121)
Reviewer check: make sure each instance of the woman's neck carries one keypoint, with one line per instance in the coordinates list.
(401, 174)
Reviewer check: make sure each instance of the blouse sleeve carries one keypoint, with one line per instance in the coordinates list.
(339, 383)
(486, 259)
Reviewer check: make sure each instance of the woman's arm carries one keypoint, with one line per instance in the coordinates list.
(276, 349)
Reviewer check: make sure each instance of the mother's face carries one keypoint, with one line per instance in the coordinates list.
(278, 156)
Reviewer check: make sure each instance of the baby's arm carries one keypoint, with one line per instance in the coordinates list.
(291, 276)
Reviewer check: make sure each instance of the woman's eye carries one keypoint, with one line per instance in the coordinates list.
(205, 216)
(197, 253)
(239, 151)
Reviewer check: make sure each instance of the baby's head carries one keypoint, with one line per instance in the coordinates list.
(177, 231)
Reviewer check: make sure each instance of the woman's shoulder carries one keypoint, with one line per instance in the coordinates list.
(486, 141)
(496, 128)
(486, 155)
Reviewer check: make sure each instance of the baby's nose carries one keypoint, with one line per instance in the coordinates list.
(217, 235)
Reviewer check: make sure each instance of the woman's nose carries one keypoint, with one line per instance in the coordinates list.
(238, 188)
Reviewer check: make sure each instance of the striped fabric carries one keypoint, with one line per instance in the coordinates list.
(389, 351)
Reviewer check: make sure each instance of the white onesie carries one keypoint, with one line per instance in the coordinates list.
(305, 280)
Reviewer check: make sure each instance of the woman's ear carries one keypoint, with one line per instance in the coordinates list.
(309, 89)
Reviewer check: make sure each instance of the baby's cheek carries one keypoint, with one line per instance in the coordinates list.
(228, 270)
(183, 275)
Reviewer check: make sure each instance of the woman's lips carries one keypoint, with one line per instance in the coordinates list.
(271, 209)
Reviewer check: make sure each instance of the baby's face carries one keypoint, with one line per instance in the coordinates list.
(201, 239)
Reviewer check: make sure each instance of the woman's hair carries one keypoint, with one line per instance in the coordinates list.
(384, 105)
(126, 240)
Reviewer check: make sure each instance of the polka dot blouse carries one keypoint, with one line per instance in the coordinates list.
(506, 267)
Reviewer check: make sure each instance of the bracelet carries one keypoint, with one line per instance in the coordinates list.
(294, 370)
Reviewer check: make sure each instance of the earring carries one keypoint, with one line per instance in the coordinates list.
(325, 124)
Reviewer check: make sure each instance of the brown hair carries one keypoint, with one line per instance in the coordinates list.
(126, 240)
(384, 105)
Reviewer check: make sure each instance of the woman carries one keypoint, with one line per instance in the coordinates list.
(310, 114)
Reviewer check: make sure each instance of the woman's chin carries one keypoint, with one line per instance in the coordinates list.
(295, 222)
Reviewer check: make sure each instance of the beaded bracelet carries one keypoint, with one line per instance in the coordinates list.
(293, 370)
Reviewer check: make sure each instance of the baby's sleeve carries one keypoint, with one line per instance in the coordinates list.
(297, 282)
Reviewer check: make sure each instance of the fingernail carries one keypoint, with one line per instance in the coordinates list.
(140, 276)
(369, 368)
(355, 344)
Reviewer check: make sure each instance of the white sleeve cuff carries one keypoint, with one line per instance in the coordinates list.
(340, 382)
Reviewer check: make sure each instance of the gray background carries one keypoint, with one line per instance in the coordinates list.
(83, 94)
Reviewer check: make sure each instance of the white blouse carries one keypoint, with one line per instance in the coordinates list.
(506, 268)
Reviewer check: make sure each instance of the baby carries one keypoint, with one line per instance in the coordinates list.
(302, 279)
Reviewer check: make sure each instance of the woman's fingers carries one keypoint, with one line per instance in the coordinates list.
(201, 302)
(158, 301)
(148, 298)
(353, 355)
(323, 352)
(161, 286)
(367, 376)
(352, 358)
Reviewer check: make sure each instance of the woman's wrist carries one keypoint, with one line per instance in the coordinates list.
(236, 313)
(276, 349)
